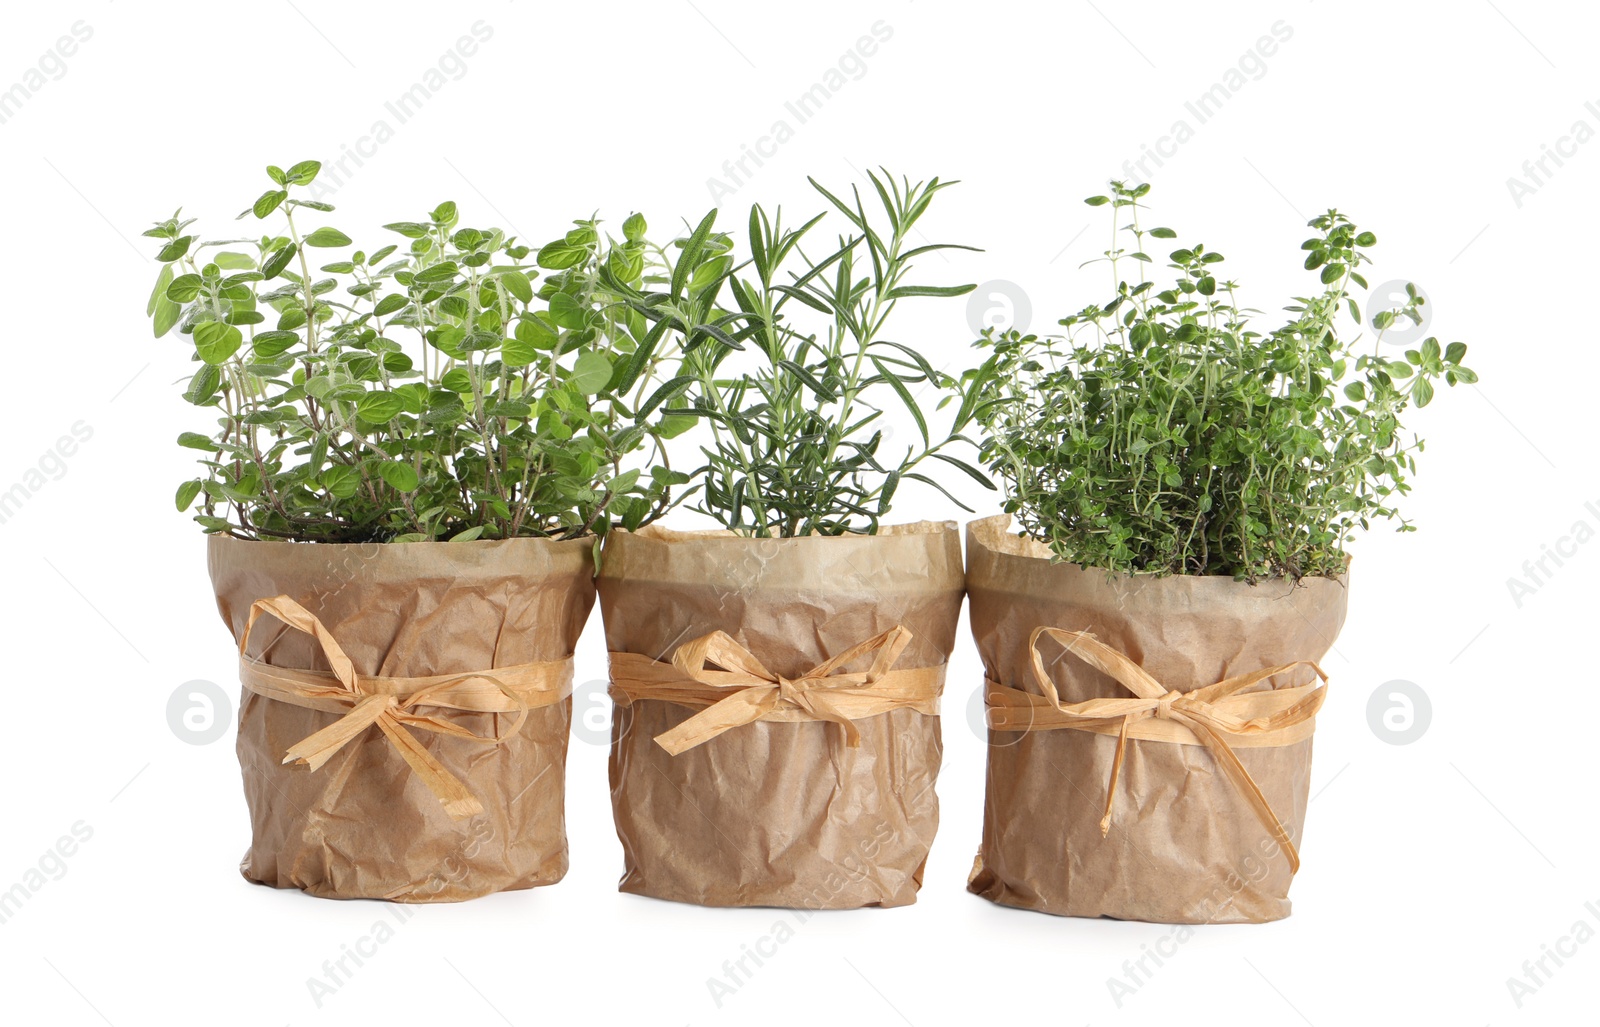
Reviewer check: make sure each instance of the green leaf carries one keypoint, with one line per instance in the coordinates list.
(176, 249)
(1097, 201)
(277, 261)
(558, 256)
(971, 471)
(184, 288)
(268, 202)
(194, 440)
(167, 314)
(687, 260)
(327, 237)
(905, 398)
(567, 312)
(591, 372)
(230, 261)
(186, 495)
(270, 344)
(471, 534)
(303, 173)
(216, 341)
(668, 390)
(904, 291)
(391, 303)
(340, 481)
(163, 280)
(380, 408)
(517, 284)
(634, 228)
(401, 476)
(203, 385)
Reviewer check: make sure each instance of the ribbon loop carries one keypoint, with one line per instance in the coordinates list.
(390, 703)
(735, 688)
(1222, 717)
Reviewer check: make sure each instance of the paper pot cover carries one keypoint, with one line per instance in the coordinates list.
(780, 813)
(1182, 845)
(364, 825)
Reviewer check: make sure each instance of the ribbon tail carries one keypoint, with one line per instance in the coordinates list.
(1116, 772)
(316, 749)
(446, 787)
(742, 707)
(1226, 758)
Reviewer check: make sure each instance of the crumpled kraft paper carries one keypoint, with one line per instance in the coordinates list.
(777, 813)
(363, 825)
(1184, 846)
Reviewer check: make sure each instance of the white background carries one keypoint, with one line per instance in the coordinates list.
(1433, 870)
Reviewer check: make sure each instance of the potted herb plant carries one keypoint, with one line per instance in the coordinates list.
(775, 741)
(1184, 485)
(414, 450)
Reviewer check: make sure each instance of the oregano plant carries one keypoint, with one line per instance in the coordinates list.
(452, 383)
(1164, 433)
(787, 360)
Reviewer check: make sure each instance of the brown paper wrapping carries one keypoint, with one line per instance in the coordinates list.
(364, 825)
(779, 813)
(1183, 845)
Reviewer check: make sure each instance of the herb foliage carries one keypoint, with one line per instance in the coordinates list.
(426, 389)
(1163, 434)
(793, 371)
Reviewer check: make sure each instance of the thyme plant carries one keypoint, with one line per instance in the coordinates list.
(425, 389)
(1164, 434)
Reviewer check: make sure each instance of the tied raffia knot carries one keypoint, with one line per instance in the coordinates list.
(734, 688)
(1222, 717)
(390, 703)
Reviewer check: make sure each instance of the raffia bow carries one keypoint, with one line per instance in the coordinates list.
(1222, 717)
(743, 691)
(389, 703)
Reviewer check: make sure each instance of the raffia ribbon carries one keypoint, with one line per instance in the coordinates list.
(744, 691)
(389, 703)
(1221, 717)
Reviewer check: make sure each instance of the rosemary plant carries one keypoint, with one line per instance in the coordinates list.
(793, 376)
